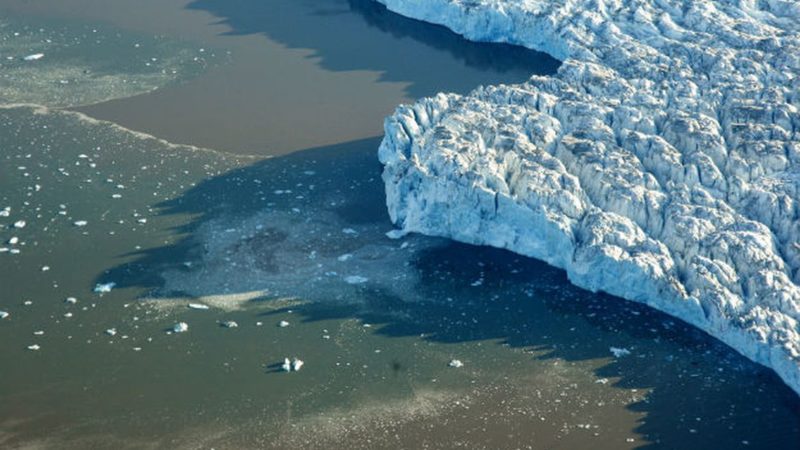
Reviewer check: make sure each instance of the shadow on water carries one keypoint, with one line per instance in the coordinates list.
(522, 303)
(366, 36)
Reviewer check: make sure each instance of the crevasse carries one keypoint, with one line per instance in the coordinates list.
(660, 164)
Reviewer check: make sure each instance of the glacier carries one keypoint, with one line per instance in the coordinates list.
(661, 164)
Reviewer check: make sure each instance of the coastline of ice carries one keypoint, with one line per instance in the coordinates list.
(661, 164)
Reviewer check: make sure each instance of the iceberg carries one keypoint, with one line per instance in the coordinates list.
(660, 164)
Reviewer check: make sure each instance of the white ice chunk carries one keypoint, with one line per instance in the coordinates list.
(619, 352)
(355, 279)
(297, 364)
(34, 57)
(180, 327)
(102, 288)
(455, 363)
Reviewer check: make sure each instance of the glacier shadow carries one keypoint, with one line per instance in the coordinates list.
(349, 35)
(520, 303)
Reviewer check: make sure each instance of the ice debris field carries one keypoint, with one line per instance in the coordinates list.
(660, 164)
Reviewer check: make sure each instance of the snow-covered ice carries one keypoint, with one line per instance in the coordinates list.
(34, 57)
(455, 363)
(180, 327)
(199, 306)
(4, 314)
(660, 164)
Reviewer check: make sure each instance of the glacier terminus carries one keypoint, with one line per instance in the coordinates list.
(660, 164)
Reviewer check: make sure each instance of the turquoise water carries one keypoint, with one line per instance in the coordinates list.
(300, 237)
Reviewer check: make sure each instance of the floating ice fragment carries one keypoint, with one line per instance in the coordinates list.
(283, 324)
(80, 223)
(68, 315)
(230, 324)
(180, 327)
(287, 365)
(142, 220)
(5, 212)
(20, 224)
(297, 364)
(345, 257)
(38, 333)
(13, 241)
(111, 331)
(101, 288)
(4, 314)
(34, 347)
(396, 234)
(355, 279)
(71, 300)
(455, 363)
(198, 306)
(619, 352)
(349, 231)
(45, 268)
(34, 57)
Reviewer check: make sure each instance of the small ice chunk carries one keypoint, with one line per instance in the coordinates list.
(619, 352)
(4, 314)
(111, 331)
(80, 223)
(297, 364)
(45, 268)
(13, 241)
(34, 347)
(345, 257)
(230, 324)
(71, 300)
(283, 324)
(455, 363)
(180, 327)
(34, 57)
(20, 224)
(197, 306)
(142, 220)
(101, 288)
(396, 234)
(355, 279)
(287, 365)
(38, 333)
(349, 231)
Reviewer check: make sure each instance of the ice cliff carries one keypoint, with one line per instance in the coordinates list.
(661, 164)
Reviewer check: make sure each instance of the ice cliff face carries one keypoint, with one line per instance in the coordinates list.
(661, 164)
